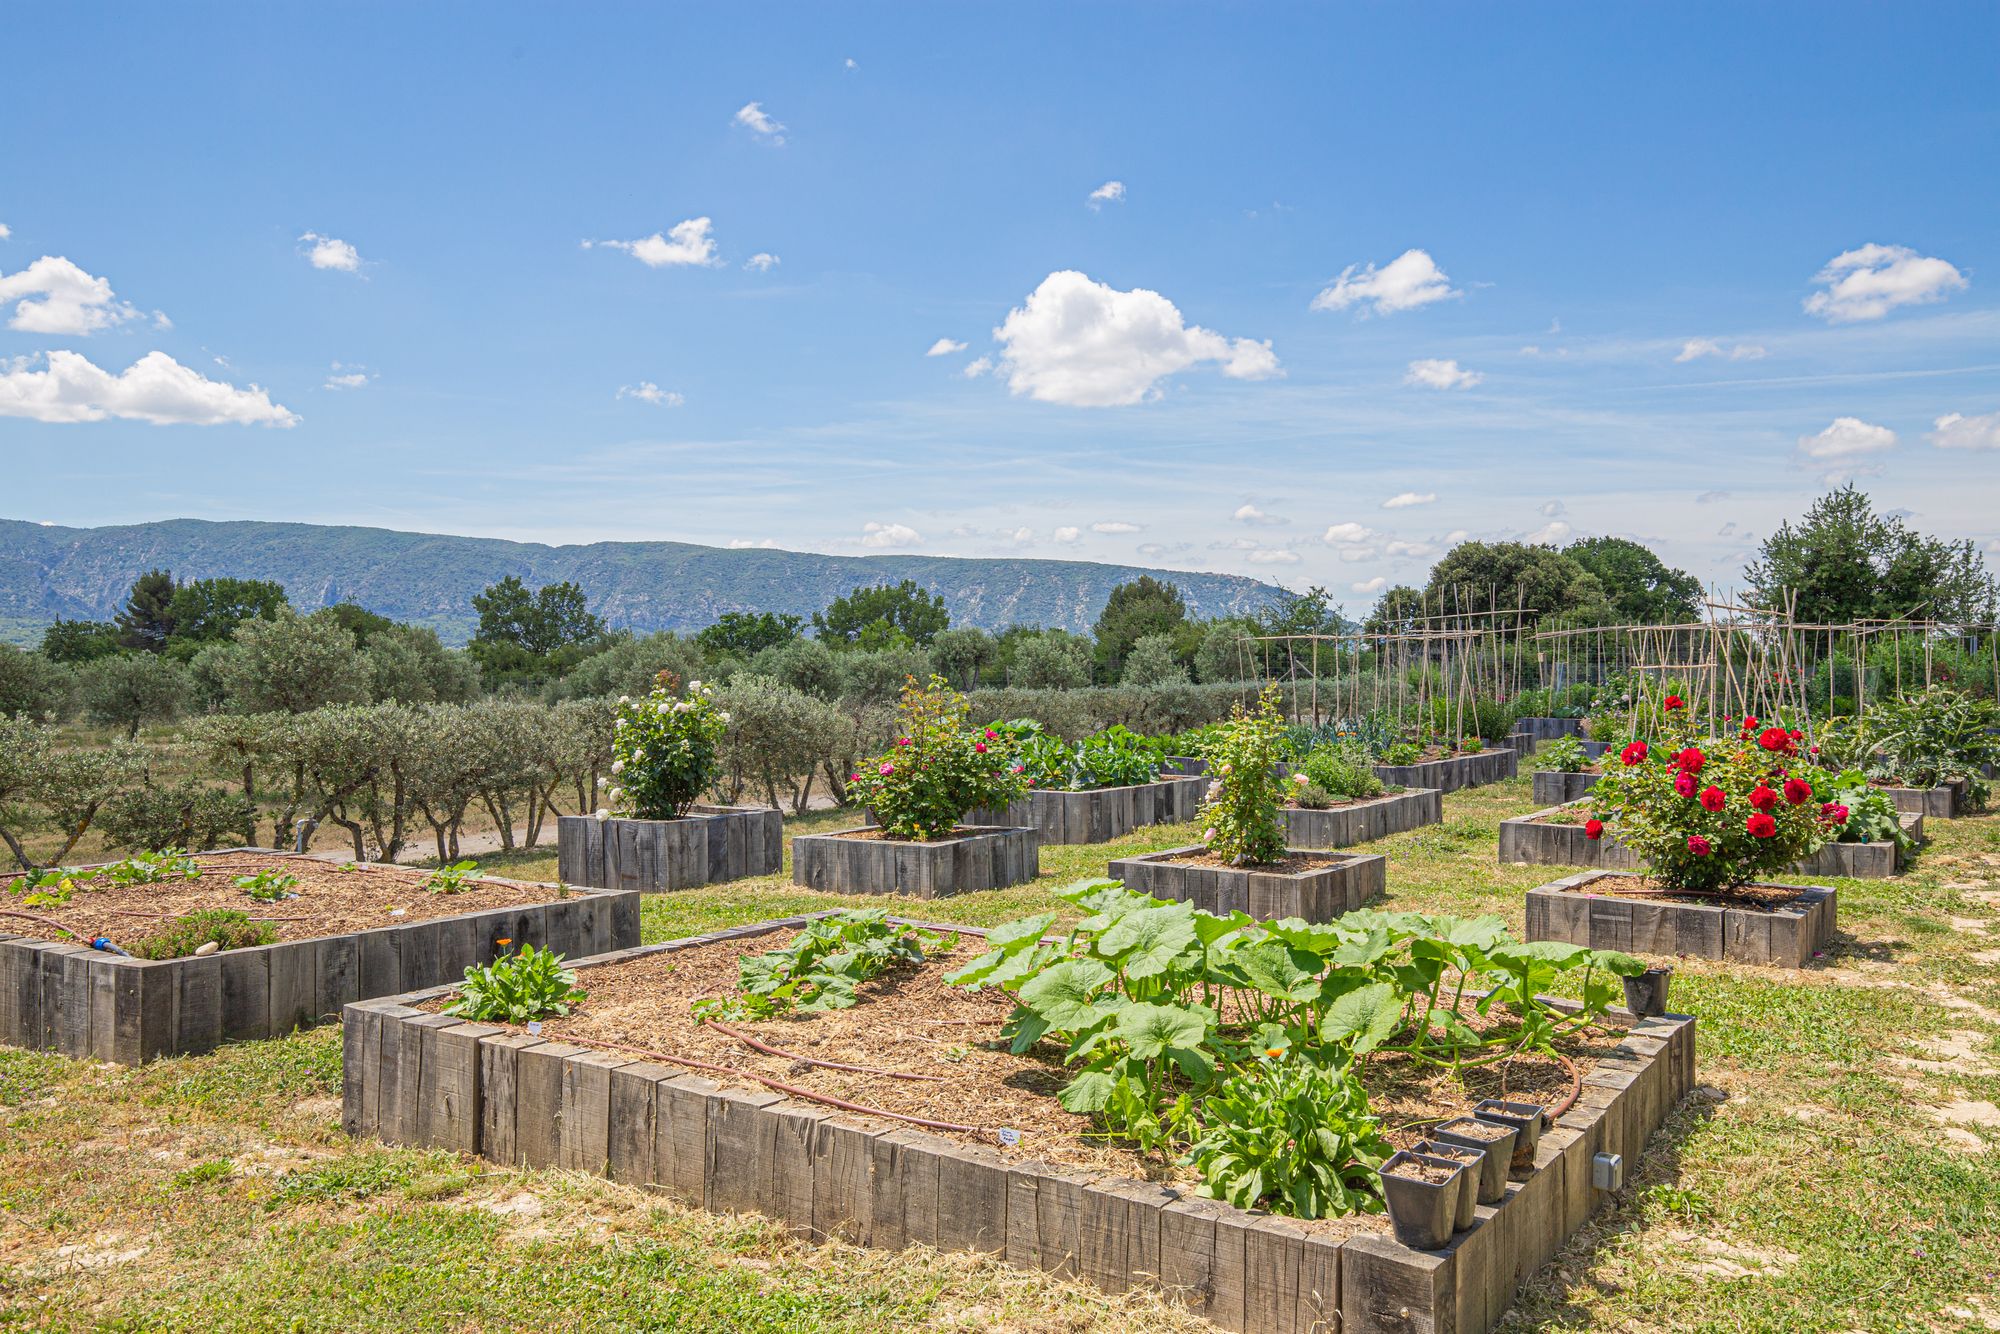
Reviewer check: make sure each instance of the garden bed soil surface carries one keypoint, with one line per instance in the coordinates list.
(876, 834)
(334, 899)
(911, 1021)
(1342, 803)
(1292, 863)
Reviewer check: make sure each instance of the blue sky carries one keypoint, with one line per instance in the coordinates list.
(1674, 270)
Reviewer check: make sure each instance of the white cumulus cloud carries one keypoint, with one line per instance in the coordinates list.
(755, 119)
(1410, 280)
(1248, 513)
(1955, 430)
(648, 392)
(889, 535)
(1436, 373)
(1348, 534)
(1694, 349)
(1269, 556)
(155, 389)
(1375, 585)
(1847, 438)
(977, 367)
(762, 262)
(1085, 344)
(327, 252)
(54, 296)
(944, 347)
(1553, 533)
(1403, 500)
(1868, 283)
(1066, 534)
(1114, 527)
(685, 243)
(1111, 192)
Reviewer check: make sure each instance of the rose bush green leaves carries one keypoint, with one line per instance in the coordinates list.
(665, 750)
(1711, 813)
(1165, 1010)
(1240, 819)
(940, 767)
(517, 989)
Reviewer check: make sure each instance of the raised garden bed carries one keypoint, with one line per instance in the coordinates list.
(1099, 815)
(1545, 838)
(66, 997)
(1946, 801)
(1362, 821)
(1556, 788)
(1326, 885)
(709, 845)
(1454, 772)
(1584, 910)
(1185, 766)
(567, 1098)
(1548, 729)
(863, 861)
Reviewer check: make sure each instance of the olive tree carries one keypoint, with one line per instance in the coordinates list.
(779, 738)
(48, 786)
(292, 664)
(130, 690)
(1151, 662)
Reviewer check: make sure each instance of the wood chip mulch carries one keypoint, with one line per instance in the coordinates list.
(332, 899)
(1645, 887)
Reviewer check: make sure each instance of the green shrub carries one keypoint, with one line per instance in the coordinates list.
(1292, 1133)
(181, 937)
(665, 750)
(518, 989)
(1564, 755)
(1344, 771)
(1241, 813)
(939, 768)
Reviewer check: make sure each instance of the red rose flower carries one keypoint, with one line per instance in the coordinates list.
(1685, 784)
(1775, 739)
(1833, 813)
(1798, 791)
(1763, 799)
(1761, 825)
(1633, 753)
(1673, 702)
(1690, 760)
(1749, 722)
(1593, 828)
(1698, 845)
(1712, 798)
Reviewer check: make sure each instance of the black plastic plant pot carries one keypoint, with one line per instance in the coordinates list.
(1495, 1140)
(1525, 1117)
(1646, 994)
(1474, 1161)
(1422, 1213)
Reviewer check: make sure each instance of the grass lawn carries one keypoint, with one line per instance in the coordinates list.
(1838, 1169)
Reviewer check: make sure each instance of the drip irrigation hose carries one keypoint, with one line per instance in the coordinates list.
(791, 1090)
(769, 1050)
(97, 943)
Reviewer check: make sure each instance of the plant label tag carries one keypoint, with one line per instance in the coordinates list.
(1010, 1138)
(535, 1027)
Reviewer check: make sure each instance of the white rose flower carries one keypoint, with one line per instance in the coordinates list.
(600, 814)
(624, 699)
(602, 780)
(617, 766)
(694, 685)
(617, 723)
(724, 715)
(615, 793)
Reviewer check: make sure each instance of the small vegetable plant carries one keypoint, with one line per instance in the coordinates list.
(1115, 757)
(152, 868)
(1291, 1130)
(454, 879)
(1920, 740)
(1709, 814)
(517, 989)
(1240, 818)
(1870, 814)
(229, 928)
(823, 964)
(1564, 755)
(666, 749)
(1344, 771)
(940, 767)
(268, 885)
(50, 886)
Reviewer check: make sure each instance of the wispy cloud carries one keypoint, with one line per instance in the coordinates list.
(760, 123)
(1410, 280)
(687, 243)
(1111, 192)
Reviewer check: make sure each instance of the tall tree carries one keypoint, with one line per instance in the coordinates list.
(146, 621)
(552, 617)
(1501, 576)
(358, 621)
(1309, 613)
(1639, 586)
(1135, 609)
(883, 617)
(745, 634)
(204, 611)
(1844, 562)
(80, 641)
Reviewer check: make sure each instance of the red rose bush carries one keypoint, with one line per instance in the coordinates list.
(1710, 814)
(940, 767)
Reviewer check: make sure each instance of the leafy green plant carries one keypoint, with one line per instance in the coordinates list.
(1159, 1006)
(1400, 753)
(1240, 818)
(1564, 755)
(152, 868)
(823, 964)
(1344, 770)
(665, 749)
(1920, 740)
(1870, 813)
(269, 885)
(50, 886)
(517, 989)
(229, 928)
(1114, 757)
(939, 768)
(1292, 1133)
(454, 879)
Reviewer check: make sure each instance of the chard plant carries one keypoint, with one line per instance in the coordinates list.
(153, 868)
(1564, 755)
(518, 989)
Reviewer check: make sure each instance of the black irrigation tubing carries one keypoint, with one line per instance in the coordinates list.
(769, 1050)
(791, 1090)
(37, 917)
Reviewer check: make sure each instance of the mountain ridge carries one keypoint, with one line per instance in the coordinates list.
(49, 572)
